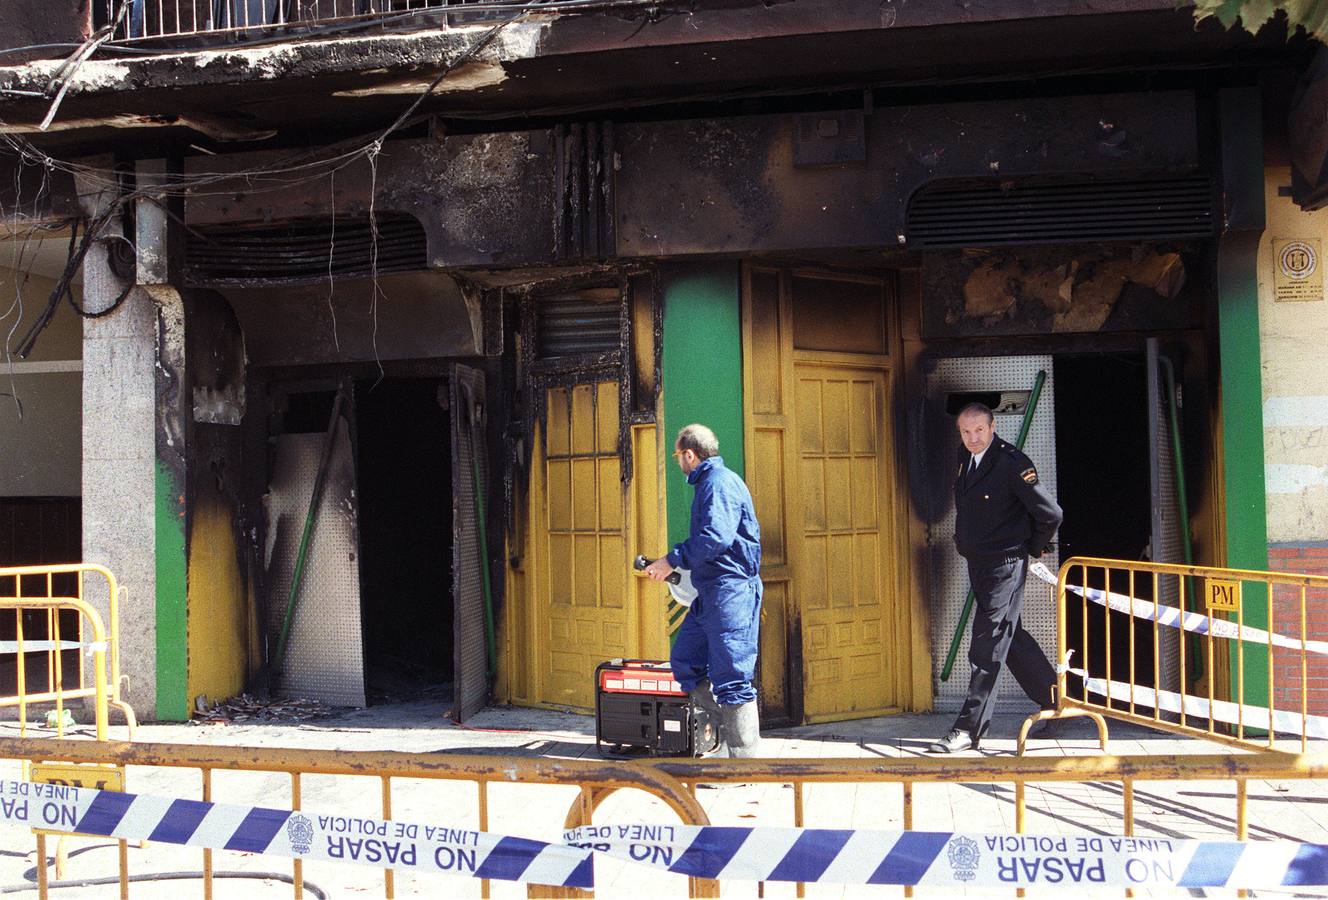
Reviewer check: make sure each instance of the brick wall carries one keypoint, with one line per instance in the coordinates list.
(1306, 559)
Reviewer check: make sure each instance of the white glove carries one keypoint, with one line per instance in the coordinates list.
(683, 592)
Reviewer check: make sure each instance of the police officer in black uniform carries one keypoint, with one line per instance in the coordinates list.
(1003, 517)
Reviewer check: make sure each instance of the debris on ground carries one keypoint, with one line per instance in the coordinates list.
(65, 718)
(247, 708)
(437, 692)
(391, 679)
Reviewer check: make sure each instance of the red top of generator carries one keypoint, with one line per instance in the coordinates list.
(637, 678)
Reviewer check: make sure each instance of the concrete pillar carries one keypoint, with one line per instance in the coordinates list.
(133, 455)
(119, 460)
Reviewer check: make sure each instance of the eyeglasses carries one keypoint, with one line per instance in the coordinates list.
(677, 454)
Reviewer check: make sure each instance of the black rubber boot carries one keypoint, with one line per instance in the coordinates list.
(704, 699)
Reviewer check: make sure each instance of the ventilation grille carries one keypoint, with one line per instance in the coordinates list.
(995, 213)
(579, 322)
(305, 250)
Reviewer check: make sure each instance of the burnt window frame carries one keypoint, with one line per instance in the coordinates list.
(636, 396)
(602, 359)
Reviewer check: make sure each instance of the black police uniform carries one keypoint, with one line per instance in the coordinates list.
(1003, 517)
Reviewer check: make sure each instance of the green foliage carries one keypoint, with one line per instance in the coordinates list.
(1253, 14)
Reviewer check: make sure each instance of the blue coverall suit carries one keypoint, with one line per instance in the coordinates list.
(718, 637)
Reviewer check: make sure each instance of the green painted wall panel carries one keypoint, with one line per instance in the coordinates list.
(1241, 373)
(702, 370)
(1243, 463)
(172, 604)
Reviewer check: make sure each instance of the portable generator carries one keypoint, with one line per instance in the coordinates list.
(640, 710)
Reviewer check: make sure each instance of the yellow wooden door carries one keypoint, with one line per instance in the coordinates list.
(581, 613)
(843, 580)
(840, 630)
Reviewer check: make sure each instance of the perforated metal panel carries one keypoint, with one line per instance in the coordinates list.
(470, 657)
(949, 577)
(324, 658)
(1166, 520)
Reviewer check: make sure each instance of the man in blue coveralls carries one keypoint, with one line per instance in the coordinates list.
(714, 656)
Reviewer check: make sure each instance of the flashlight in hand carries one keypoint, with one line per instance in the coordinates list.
(641, 562)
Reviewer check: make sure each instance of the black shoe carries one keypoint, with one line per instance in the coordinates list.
(954, 742)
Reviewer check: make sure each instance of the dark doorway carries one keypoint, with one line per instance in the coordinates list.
(37, 531)
(1102, 471)
(404, 473)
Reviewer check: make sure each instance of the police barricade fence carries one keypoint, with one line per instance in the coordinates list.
(1229, 655)
(338, 831)
(51, 634)
(61, 653)
(563, 863)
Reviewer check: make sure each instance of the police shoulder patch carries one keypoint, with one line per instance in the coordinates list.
(1029, 475)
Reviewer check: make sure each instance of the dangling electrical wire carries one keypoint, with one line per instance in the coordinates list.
(64, 285)
(16, 308)
(331, 252)
(259, 179)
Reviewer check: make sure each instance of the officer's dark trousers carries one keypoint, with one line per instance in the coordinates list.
(999, 638)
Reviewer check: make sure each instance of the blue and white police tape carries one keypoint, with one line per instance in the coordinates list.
(954, 859)
(1172, 617)
(8, 647)
(297, 835)
(1252, 717)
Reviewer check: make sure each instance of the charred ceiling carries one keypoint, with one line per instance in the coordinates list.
(747, 190)
(35, 194)
(413, 316)
(587, 194)
(563, 65)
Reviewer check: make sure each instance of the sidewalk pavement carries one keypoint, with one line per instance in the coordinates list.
(1291, 810)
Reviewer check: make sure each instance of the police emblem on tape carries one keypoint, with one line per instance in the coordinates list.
(1029, 475)
(300, 831)
(963, 856)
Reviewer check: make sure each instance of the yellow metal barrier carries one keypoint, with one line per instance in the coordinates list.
(668, 781)
(47, 594)
(1124, 654)
(41, 599)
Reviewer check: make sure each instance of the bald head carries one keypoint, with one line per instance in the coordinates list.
(698, 439)
(975, 423)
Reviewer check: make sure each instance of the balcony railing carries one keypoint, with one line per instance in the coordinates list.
(247, 19)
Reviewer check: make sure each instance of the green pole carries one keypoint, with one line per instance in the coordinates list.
(1182, 498)
(971, 598)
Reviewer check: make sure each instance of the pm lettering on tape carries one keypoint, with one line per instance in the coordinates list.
(294, 834)
(954, 859)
